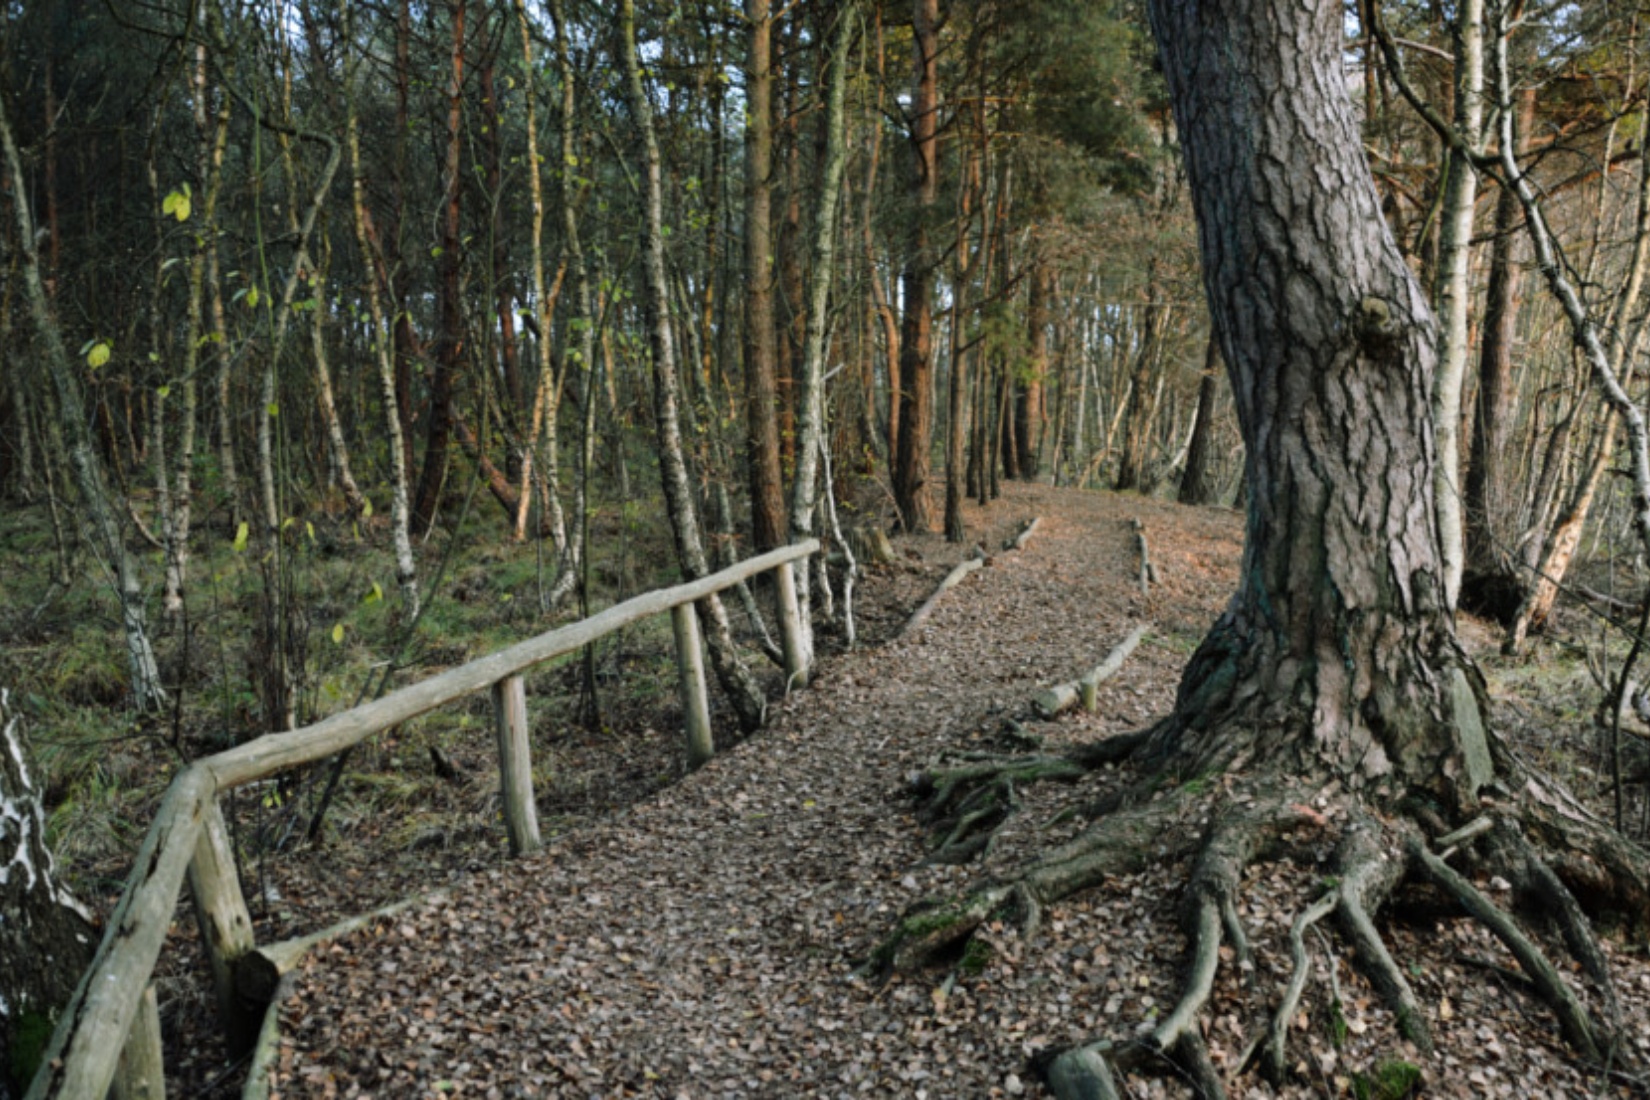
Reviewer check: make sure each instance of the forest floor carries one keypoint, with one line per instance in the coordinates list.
(699, 938)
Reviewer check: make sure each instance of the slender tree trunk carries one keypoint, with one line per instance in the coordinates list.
(1490, 573)
(449, 345)
(1453, 295)
(813, 440)
(1195, 484)
(916, 360)
(406, 568)
(761, 343)
(1028, 399)
(147, 692)
(736, 680)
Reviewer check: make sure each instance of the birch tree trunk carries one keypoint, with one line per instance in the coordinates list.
(46, 936)
(101, 514)
(736, 680)
(406, 568)
(1454, 291)
(813, 438)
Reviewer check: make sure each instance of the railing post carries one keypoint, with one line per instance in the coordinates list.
(790, 629)
(515, 765)
(690, 671)
(141, 1072)
(226, 926)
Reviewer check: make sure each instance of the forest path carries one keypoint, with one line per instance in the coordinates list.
(701, 943)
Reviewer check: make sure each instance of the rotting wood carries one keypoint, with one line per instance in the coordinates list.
(515, 765)
(952, 579)
(1051, 701)
(258, 973)
(690, 672)
(275, 752)
(225, 924)
(141, 1072)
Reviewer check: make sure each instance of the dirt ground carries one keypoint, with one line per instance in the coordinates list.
(702, 940)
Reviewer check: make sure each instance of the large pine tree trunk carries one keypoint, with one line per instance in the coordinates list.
(1338, 653)
(916, 354)
(761, 337)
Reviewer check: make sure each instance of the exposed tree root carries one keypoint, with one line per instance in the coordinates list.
(1569, 864)
(1573, 1017)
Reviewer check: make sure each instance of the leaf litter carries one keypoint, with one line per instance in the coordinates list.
(703, 942)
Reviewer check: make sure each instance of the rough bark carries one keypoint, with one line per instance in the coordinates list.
(916, 353)
(761, 337)
(449, 345)
(1338, 652)
(1028, 397)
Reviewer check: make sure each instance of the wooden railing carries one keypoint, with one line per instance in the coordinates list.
(110, 1031)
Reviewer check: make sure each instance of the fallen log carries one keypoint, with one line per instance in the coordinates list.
(1051, 701)
(952, 579)
(1018, 542)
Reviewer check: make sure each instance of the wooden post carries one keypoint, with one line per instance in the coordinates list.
(141, 1072)
(790, 630)
(226, 926)
(690, 670)
(515, 765)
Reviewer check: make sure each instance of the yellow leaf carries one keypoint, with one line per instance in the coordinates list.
(99, 354)
(337, 633)
(240, 537)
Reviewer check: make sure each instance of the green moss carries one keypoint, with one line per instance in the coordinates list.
(1391, 1080)
(975, 958)
(28, 1045)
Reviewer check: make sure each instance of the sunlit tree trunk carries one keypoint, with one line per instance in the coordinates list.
(761, 344)
(812, 436)
(1337, 655)
(406, 568)
(1195, 486)
(736, 680)
(916, 353)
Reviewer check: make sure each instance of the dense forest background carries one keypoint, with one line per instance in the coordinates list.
(301, 287)
(338, 340)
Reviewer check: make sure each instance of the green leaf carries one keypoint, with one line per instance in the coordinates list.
(252, 297)
(99, 354)
(337, 633)
(163, 392)
(273, 409)
(240, 537)
(366, 508)
(309, 529)
(177, 204)
(375, 595)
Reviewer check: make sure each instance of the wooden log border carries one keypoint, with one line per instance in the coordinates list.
(1051, 701)
(953, 578)
(85, 1050)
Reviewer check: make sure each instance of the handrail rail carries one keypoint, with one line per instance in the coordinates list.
(186, 837)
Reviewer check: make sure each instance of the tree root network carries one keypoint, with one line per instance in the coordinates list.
(1375, 856)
